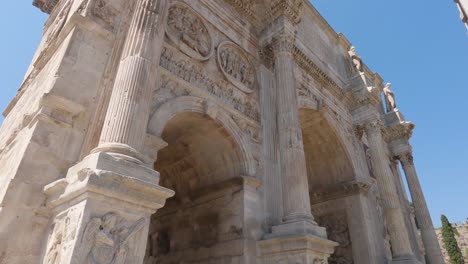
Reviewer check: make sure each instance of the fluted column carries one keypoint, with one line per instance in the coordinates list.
(399, 233)
(126, 120)
(431, 244)
(292, 158)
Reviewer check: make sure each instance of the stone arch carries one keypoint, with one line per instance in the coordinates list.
(199, 105)
(330, 129)
(329, 150)
(205, 163)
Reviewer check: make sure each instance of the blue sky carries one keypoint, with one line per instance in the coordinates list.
(419, 46)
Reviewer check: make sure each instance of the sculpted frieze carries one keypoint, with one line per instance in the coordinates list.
(236, 66)
(186, 29)
(193, 75)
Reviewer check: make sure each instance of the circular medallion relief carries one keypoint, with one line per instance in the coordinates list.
(236, 66)
(186, 29)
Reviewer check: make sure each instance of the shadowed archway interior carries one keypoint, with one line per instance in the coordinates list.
(328, 167)
(326, 158)
(202, 164)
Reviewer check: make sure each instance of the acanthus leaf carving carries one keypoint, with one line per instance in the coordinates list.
(236, 66)
(186, 29)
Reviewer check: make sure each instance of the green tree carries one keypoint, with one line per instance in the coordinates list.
(450, 243)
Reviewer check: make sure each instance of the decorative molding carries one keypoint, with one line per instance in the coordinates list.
(46, 6)
(193, 75)
(236, 66)
(338, 191)
(187, 30)
(318, 74)
(246, 8)
(290, 9)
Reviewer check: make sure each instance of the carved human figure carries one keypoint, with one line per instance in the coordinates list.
(175, 20)
(59, 237)
(236, 66)
(389, 98)
(106, 243)
(357, 61)
(189, 29)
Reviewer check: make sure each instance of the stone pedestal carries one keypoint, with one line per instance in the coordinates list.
(304, 249)
(101, 211)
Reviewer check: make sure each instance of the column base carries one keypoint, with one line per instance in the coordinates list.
(300, 249)
(300, 227)
(406, 260)
(101, 211)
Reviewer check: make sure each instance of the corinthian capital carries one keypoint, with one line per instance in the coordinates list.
(406, 158)
(373, 126)
(282, 43)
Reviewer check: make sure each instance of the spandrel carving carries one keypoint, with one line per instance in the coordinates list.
(236, 66)
(188, 32)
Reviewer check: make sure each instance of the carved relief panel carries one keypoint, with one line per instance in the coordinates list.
(236, 66)
(108, 239)
(336, 224)
(186, 29)
(62, 237)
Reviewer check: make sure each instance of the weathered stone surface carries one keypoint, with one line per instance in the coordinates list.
(263, 129)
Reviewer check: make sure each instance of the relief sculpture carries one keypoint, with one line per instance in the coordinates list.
(106, 241)
(57, 240)
(62, 237)
(193, 74)
(338, 231)
(236, 67)
(187, 30)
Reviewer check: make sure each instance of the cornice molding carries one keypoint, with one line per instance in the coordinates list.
(317, 73)
(45, 6)
(340, 191)
(291, 9)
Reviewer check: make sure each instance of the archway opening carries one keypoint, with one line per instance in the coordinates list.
(203, 165)
(328, 170)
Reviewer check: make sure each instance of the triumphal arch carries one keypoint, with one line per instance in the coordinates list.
(205, 132)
